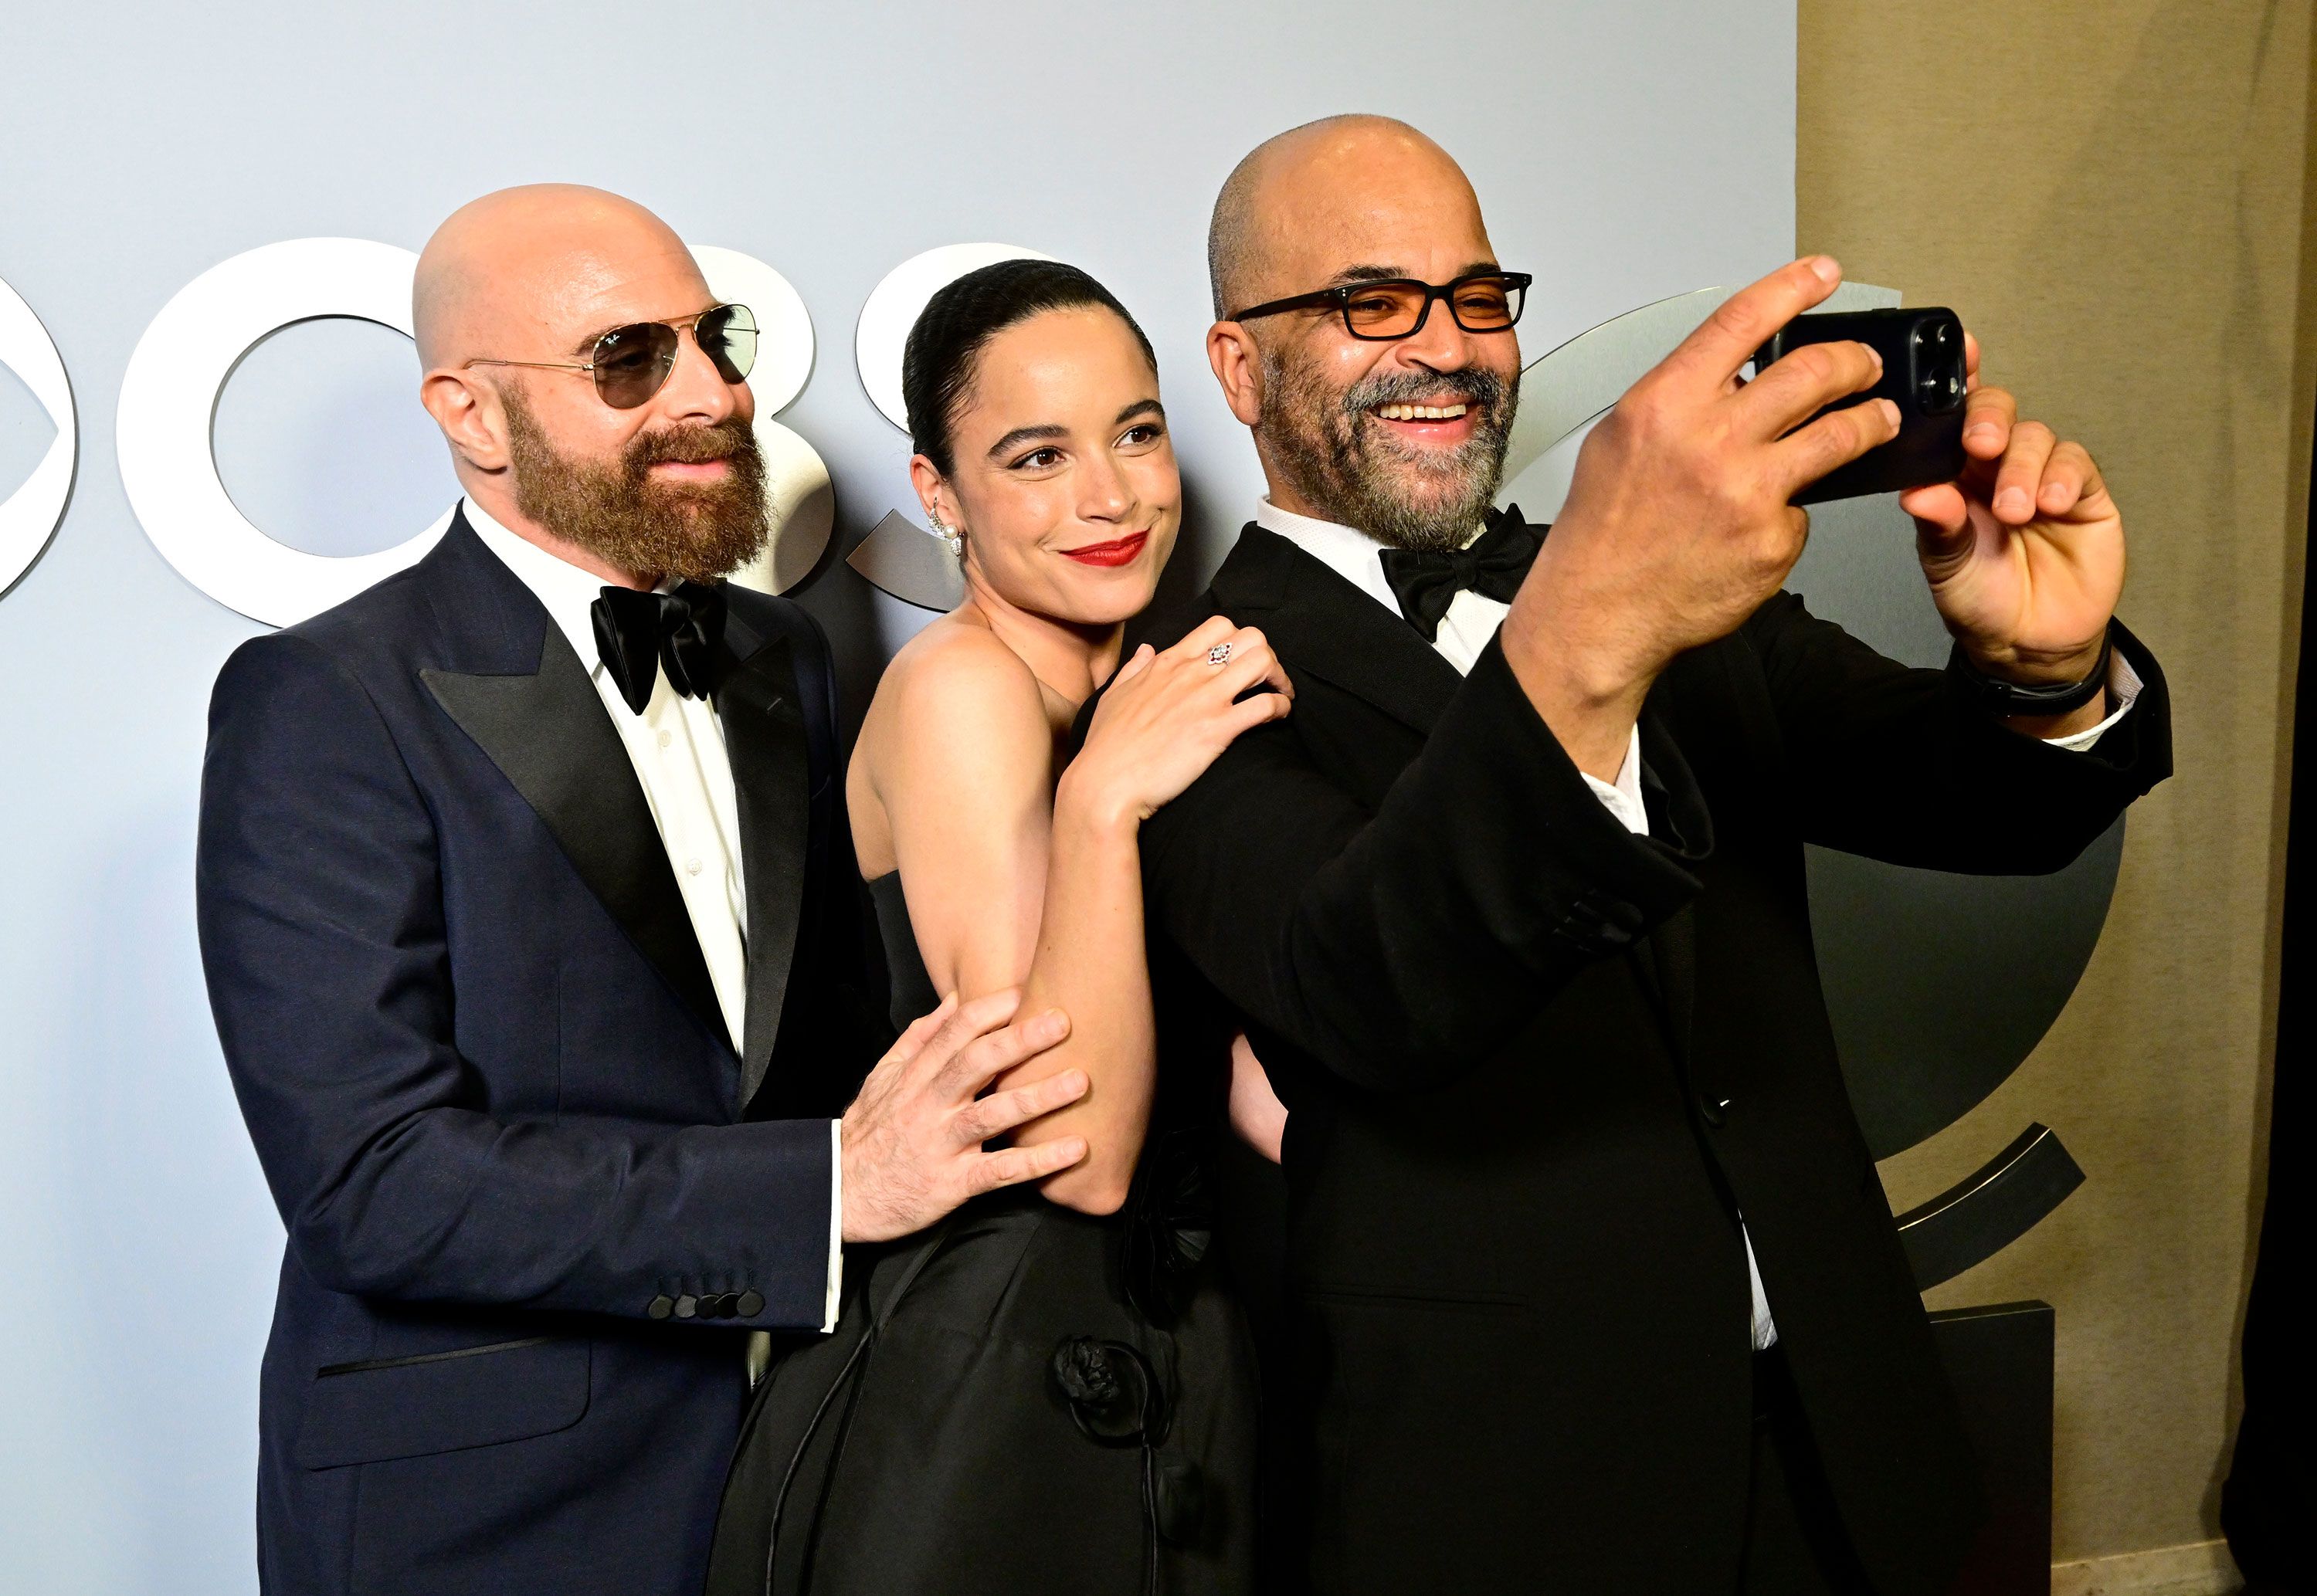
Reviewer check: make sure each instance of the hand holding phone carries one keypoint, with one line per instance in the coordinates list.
(1923, 373)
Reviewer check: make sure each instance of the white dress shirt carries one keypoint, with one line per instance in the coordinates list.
(1464, 631)
(676, 746)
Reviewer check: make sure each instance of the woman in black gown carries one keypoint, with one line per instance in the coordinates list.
(1049, 1391)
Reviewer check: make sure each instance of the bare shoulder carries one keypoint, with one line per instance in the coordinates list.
(957, 674)
(955, 695)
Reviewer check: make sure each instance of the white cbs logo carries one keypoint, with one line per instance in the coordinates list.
(29, 517)
(170, 391)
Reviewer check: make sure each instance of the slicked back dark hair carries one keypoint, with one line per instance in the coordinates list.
(944, 351)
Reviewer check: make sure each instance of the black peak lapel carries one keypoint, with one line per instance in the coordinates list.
(1678, 817)
(546, 729)
(757, 704)
(1320, 624)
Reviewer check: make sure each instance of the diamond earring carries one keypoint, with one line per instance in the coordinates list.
(955, 540)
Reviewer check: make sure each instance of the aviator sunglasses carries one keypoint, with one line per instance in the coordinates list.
(1398, 306)
(631, 364)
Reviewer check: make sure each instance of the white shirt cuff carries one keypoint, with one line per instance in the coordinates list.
(1622, 797)
(2123, 686)
(836, 1225)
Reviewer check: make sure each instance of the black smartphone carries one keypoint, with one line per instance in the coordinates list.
(1922, 374)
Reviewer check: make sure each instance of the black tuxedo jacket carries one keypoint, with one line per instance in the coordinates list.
(533, 1191)
(1536, 1066)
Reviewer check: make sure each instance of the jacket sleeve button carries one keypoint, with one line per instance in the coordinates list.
(686, 1306)
(751, 1303)
(661, 1306)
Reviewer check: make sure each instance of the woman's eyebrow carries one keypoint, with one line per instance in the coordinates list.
(1140, 408)
(1014, 440)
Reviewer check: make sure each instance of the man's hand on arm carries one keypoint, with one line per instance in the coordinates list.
(2024, 554)
(913, 1138)
(1678, 524)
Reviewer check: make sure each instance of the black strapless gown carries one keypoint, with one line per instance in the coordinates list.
(1023, 1399)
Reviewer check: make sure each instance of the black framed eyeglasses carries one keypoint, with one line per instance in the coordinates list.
(1398, 306)
(631, 364)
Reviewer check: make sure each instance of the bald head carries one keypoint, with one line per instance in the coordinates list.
(629, 486)
(508, 275)
(1327, 187)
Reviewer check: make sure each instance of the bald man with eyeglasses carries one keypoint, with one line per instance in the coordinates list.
(1585, 1281)
(532, 930)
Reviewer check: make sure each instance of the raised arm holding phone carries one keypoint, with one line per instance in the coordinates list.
(1680, 525)
(1590, 1283)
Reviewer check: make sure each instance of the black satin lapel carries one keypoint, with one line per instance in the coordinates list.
(548, 735)
(765, 737)
(1673, 957)
(1371, 653)
(1323, 625)
(1678, 819)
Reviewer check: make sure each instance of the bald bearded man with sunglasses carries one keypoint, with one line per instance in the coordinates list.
(531, 924)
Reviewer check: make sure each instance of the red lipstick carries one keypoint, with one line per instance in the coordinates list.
(1118, 551)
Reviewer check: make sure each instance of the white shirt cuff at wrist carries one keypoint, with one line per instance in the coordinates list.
(1622, 797)
(2124, 685)
(836, 1225)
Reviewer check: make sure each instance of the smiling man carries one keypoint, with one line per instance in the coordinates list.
(1589, 1281)
(531, 924)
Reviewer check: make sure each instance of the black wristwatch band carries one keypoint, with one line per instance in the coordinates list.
(2012, 698)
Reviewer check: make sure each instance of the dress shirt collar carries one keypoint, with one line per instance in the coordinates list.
(568, 592)
(1349, 552)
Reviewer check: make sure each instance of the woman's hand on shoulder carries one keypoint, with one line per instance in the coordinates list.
(1166, 716)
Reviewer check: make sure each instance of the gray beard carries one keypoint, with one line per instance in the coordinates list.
(1327, 447)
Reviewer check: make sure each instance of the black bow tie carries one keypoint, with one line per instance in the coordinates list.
(638, 633)
(1493, 566)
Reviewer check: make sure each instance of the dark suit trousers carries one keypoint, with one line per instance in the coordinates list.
(1794, 1541)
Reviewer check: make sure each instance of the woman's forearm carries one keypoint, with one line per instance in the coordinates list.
(1090, 963)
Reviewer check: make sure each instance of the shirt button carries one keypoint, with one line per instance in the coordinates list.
(691, 867)
(666, 738)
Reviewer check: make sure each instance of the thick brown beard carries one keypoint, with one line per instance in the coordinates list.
(692, 532)
(1315, 436)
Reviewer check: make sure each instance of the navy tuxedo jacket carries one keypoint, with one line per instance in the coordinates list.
(533, 1193)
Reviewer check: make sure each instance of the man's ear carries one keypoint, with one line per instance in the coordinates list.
(1238, 368)
(470, 416)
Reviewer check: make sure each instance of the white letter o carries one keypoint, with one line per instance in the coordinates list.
(29, 515)
(169, 394)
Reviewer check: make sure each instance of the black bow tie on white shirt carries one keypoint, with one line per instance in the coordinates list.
(637, 634)
(1427, 582)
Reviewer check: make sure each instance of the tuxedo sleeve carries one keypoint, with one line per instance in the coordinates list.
(1903, 765)
(322, 933)
(1399, 946)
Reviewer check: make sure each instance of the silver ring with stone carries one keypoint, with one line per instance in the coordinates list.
(1219, 653)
